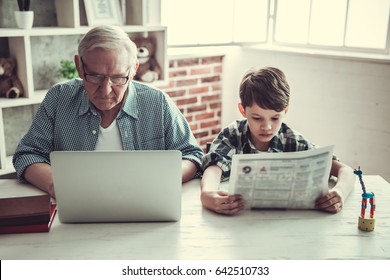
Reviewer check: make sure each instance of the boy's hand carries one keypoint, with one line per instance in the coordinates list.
(221, 202)
(332, 202)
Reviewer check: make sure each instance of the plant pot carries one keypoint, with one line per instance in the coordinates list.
(24, 19)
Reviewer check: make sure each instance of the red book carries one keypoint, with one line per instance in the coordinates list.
(31, 228)
(24, 208)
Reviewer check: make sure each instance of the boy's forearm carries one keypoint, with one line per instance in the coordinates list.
(345, 179)
(211, 178)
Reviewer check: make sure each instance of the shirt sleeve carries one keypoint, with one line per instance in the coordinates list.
(179, 135)
(36, 145)
(222, 149)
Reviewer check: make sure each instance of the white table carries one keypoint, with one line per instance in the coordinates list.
(201, 234)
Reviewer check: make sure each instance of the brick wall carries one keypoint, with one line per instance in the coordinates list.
(195, 85)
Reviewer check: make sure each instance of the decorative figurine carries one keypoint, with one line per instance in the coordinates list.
(366, 224)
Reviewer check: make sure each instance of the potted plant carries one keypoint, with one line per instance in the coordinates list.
(24, 17)
(68, 69)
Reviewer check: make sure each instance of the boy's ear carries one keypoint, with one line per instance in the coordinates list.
(242, 110)
(286, 110)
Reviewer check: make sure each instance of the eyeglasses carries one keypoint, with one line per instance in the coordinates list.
(97, 79)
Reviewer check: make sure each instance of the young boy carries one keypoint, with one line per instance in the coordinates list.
(264, 103)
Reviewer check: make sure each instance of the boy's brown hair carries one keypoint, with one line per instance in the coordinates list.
(267, 87)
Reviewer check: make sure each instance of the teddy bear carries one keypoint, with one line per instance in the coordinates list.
(10, 85)
(148, 70)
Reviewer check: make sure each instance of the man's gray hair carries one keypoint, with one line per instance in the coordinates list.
(109, 38)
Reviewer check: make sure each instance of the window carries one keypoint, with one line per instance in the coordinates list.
(360, 25)
(349, 24)
(207, 22)
(367, 31)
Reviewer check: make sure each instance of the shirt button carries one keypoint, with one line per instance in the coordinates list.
(93, 131)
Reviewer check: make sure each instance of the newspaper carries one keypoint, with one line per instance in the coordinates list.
(291, 180)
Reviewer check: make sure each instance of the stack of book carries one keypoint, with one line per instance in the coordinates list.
(24, 208)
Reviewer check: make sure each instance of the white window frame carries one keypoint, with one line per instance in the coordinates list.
(312, 48)
(343, 48)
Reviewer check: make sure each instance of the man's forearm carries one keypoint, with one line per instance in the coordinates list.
(40, 175)
(189, 170)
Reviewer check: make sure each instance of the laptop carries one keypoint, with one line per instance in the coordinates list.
(281, 180)
(117, 186)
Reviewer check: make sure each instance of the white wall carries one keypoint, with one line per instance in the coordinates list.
(337, 101)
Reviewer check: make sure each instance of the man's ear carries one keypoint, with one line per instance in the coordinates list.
(78, 66)
(242, 110)
(133, 69)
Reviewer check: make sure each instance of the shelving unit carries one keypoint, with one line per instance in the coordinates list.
(32, 49)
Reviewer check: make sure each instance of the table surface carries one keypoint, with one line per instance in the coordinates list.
(202, 234)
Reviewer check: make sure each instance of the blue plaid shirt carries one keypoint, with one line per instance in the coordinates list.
(67, 121)
(234, 139)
